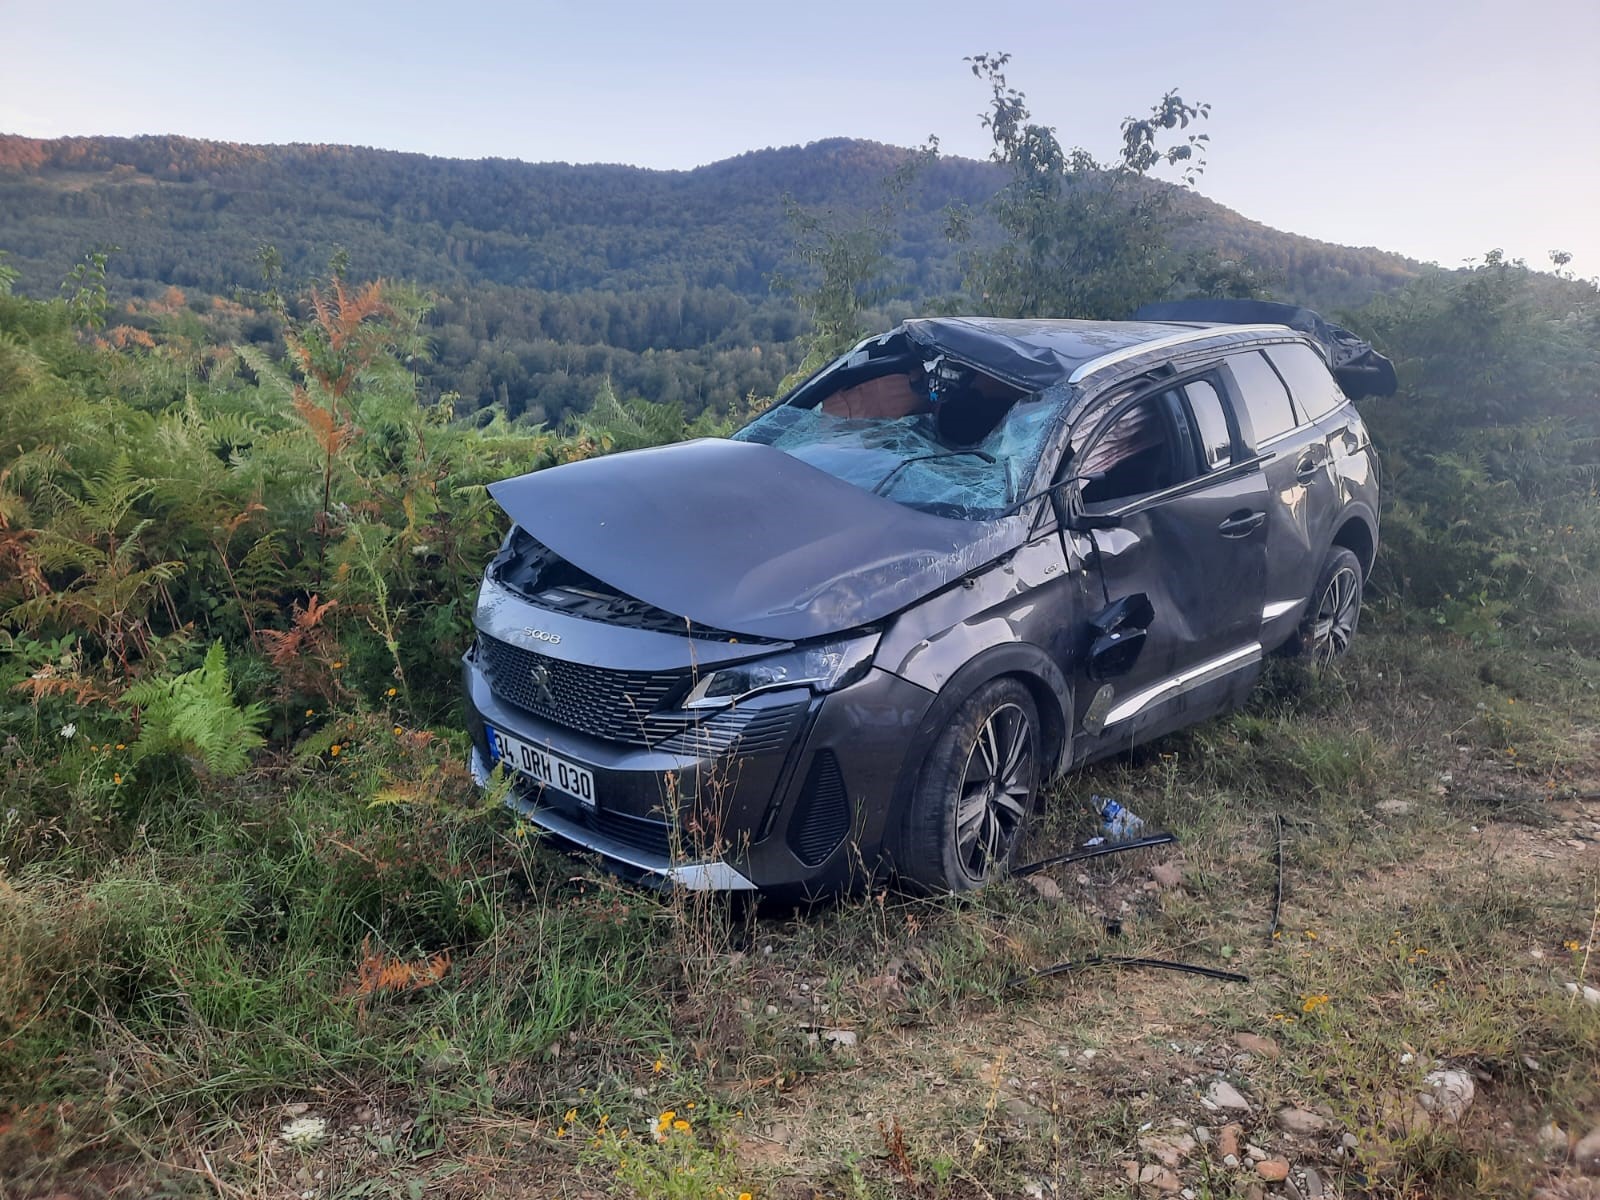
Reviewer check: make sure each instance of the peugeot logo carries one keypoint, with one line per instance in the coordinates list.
(539, 635)
(541, 686)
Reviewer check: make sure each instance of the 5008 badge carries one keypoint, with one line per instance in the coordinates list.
(540, 635)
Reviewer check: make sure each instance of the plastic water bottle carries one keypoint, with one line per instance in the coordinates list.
(1121, 824)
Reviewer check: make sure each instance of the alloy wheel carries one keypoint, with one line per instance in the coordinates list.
(996, 789)
(1337, 610)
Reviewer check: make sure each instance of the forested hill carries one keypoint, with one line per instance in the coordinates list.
(548, 275)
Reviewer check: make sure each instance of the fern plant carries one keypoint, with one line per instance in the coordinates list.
(194, 714)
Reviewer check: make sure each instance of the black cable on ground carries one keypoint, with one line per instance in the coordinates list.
(1158, 963)
(1083, 852)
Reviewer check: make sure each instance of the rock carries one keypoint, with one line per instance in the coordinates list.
(1228, 1141)
(1273, 1170)
(1254, 1153)
(296, 1110)
(1045, 886)
(1230, 1160)
(1313, 1185)
(1350, 1142)
(1299, 1121)
(1160, 1178)
(1225, 1096)
(1553, 1142)
(1202, 1135)
(1166, 876)
(1588, 994)
(1449, 1095)
(771, 1010)
(1586, 1154)
(1168, 1149)
(840, 1037)
(1254, 1043)
(1393, 808)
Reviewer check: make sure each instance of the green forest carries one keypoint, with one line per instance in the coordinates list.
(547, 279)
(242, 521)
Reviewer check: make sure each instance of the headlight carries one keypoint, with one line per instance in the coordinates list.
(824, 667)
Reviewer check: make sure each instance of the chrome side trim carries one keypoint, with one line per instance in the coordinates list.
(713, 876)
(1278, 607)
(1087, 369)
(1176, 685)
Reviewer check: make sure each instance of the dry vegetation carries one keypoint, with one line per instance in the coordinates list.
(259, 937)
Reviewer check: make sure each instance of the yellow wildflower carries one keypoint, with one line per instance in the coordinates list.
(120, 746)
(681, 1125)
(392, 691)
(1571, 945)
(659, 1067)
(334, 750)
(1310, 1004)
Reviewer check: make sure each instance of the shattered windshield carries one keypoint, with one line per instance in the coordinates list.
(913, 458)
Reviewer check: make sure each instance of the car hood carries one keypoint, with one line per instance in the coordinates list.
(743, 537)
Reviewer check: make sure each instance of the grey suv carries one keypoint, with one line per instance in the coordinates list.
(861, 635)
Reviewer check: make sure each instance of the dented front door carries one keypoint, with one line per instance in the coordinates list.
(1200, 557)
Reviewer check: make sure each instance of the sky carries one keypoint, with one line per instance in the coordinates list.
(1436, 128)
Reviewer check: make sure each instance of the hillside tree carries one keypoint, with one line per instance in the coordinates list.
(1082, 237)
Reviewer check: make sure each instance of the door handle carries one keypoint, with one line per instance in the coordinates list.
(1308, 466)
(1242, 523)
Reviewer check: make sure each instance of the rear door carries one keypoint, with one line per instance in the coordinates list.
(1303, 494)
(1168, 468)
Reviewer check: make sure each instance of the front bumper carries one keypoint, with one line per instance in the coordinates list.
(799, 804)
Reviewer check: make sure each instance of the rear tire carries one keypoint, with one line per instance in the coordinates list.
(976, 791)
(1334, 611)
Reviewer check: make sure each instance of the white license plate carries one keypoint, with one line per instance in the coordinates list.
(542, 767)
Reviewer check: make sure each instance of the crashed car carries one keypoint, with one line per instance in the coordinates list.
(861, 636)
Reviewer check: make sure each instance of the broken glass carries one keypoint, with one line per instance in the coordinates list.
(904, 459)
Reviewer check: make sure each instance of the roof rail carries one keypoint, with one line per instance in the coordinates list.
(1095, 365)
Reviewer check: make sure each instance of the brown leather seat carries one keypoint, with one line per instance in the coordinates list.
(882, 399)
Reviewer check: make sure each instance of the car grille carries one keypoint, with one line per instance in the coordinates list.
(639, 833)
(615, 705)
(621, 706)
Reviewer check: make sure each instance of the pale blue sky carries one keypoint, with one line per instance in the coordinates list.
(1435, 128)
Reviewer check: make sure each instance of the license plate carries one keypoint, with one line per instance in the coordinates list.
(542, 767)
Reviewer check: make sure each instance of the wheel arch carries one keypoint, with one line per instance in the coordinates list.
(1358, 533)
(1035, 670)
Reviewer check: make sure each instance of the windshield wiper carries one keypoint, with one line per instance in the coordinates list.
(878, 488)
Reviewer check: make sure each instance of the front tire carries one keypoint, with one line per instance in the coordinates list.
(976, 791)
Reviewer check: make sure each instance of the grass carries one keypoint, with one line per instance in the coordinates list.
(472, 1013)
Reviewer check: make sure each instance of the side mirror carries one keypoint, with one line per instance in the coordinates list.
(1117, 635)
(1114, 654)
